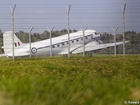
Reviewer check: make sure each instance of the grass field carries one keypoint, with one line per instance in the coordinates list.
(105, 80)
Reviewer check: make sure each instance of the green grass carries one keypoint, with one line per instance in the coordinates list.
(105, 80)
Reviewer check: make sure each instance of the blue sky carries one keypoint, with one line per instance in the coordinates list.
(99, 15)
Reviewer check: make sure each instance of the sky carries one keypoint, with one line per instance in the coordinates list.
(99, 15)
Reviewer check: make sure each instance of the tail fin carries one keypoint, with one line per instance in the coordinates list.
(8, 44)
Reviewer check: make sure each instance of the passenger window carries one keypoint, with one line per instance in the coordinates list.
(63, 44)
(53, 46)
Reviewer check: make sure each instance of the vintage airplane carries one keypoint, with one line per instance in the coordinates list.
(59, 45)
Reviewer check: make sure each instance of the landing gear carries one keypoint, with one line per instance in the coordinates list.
(89, 54)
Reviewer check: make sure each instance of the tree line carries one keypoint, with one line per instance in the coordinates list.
(133, 47)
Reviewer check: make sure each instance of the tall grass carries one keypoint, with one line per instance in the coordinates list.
(75, 81)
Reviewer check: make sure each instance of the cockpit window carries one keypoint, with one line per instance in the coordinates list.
(96, 33)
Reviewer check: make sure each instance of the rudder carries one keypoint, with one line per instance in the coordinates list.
(7, 42)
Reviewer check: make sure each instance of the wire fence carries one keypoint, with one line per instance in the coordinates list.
(99, 17)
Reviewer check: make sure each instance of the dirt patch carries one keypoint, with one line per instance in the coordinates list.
(4, 99)
(135, 93)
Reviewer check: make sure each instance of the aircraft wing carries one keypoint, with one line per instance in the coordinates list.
(92, 46)
(72, 48)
